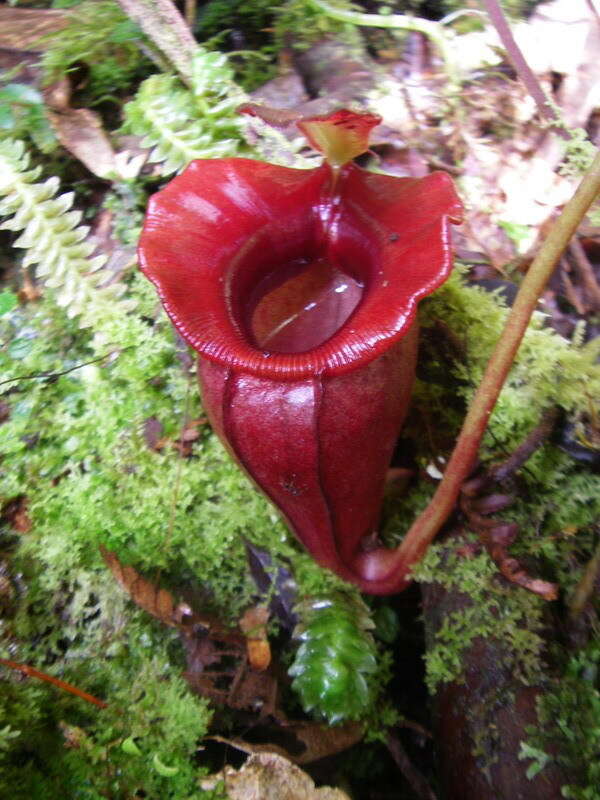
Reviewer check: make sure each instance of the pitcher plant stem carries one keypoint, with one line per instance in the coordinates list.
(467, 445)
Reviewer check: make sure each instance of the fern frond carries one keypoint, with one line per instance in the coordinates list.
(212, 76)
(336, 657)
(54, 239)
(181, 125)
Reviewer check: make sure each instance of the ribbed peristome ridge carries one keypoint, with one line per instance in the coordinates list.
(224, 225)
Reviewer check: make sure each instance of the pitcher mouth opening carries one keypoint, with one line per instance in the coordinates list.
(300, 305)
(262, 269)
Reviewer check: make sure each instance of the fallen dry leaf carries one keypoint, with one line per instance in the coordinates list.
(216, 655)
(29, 292)
(14, 512)
(80, 131)
(57, 95)
(269, 776)
(319, 741)
(218, 669)
(301, 742)
(158, 602)
(191, 431)
(275, 582)
(120, 257)
(188, 436)
(153, 431)
(22, 28)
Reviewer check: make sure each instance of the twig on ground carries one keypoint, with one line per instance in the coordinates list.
(417, 781)
(569, 288)
(585, 272)
(522, 68)
(52, 376)
(165, 27)
(587, 586)
(496, 535)
(190, 13)
(516, 459)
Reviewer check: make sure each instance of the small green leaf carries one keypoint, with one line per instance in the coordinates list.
(387, 625)
(533, 769)
(20, 348)
(540, 759)
(8, 301)
(163, 769)
(520, 235)
(130, 747)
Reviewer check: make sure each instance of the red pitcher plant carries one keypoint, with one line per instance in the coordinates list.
(298, 289)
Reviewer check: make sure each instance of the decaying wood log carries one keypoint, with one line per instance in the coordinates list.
(479, 724)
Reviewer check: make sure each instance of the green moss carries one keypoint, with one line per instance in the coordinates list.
(569, 730)
(309, 25)
(84, 631)
(22, 113)
(74, 446)
(127, 203)
(511, 616)
(101, 38)
(548, 369)
(91, 477)
(61, 747)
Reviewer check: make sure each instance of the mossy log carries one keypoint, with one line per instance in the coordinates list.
(481, 718)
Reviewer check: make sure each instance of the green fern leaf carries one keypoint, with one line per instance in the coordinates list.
(55, 241)
(180, 125)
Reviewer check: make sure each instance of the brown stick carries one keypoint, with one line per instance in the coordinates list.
(190, 13)
(418, 783)
(521, 67)
(587, 585)
(164, 25)
(527, 448)
(497, 536)
(43, 676)
(570, 292)
(585, 272)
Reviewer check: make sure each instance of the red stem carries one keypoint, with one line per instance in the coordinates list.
(43, 676)
(385, 571)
